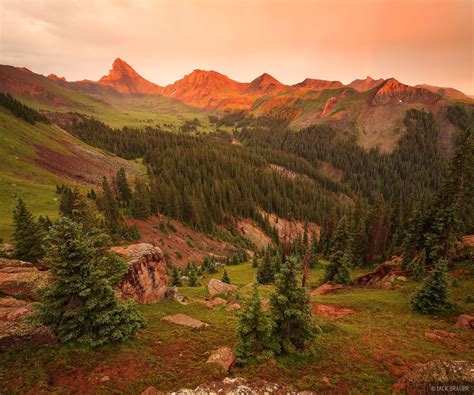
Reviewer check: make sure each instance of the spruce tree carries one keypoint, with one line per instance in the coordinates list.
(124, 191)
(192, 277)
(417, 266)
(432, 297)
(111, 210)
(254, 261)
(266, 271)
(225, 277)
(339, 246)
(141, 200)
(343, 274)
(80, 303)
(254, 331)
(27, 234)
(175, 279)
(290, 311)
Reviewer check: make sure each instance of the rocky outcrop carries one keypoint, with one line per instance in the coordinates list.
(384, 276)
(217, 287)
(328, 106)
(465, 321)
(21, 279)
(329, 311)
(431, 377)
(230, 386)
(174, 294)
(185, 320)
(12, 309)
(224, 357)
(147, 278)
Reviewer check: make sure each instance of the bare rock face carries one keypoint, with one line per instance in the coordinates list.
(224, 357)
(12, 309)
(147, 277)
(432, 377)
(216, 287)
(21, 279)
(185, 320)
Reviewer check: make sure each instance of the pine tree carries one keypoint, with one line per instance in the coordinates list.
(175, 279)
(417, 266)
(27, 234)
(80, 303)
(254, 261)
(339, 245)
(192, 277)
(432, 297)
(266, 271)
(124, 191)
(290, 311)
(225, 277)
(254, 331)
(343, 274)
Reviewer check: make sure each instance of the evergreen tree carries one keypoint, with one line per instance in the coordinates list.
(80, 303)
(266, 271)
(124, 191)
(343, 274)
(339, 246)
(254, 331)
(175, 279)
(141, 200)
(290, 311)
(417, 266)
(27, 234)
(192, 277)
(225, 277)
(432, 297)
(254, 261)
(111, 210)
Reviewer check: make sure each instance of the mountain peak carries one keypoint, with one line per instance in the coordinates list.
(318, 85)
(366, 84)
(123, 78)
(54, 77)
(393, 91)
(265, 83)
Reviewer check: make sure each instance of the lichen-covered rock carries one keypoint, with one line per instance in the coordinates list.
(216, 287)
(174, 294)
(21, 279)
(428, 378)
(147, 278)
(17, 335)
(224, 357)
(185, 320)
(12, 309)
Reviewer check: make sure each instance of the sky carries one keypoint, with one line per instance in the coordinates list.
(415, 41)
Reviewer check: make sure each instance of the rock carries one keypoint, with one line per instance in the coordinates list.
(402, 278)
(21, 279)
(224, 357)
(432, 337)
(12, 309)
(174, 294)
(426, 377)
(105, 378)
(325, 289)
(443, 333)
(387, 271)
(18, 335)
(215, 302)
(465, 321)
(326, 310)
(216, 287)
(185, 320)
(151, 391)
(233, 307)
(266, 304)
(147, 278)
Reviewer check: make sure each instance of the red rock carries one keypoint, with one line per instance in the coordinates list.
(215, 302)
(224, 357)
(328, 106)
(151, 391)
(432, 337)
(21, 279)
(233, 307)
(147, 278)
(443, 333)
(325, 289)
(465, 321)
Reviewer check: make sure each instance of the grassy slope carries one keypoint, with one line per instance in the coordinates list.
(363, 353)
(21, 176)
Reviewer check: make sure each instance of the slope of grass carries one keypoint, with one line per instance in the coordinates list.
(365, 352)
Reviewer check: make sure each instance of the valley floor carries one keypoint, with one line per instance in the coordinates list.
(365, 351)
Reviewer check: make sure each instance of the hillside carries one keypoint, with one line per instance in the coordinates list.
(37, 157)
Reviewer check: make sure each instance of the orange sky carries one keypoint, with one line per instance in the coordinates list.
(415, 41)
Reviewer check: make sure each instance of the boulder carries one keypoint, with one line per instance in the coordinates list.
(465, 321)
(325, 289)
(216, 287)
(151, 391)
(185, 320)
(385, 275)
(174, 294)
(147, 278)
(224, 357)
(233, 307)
(429, 378)
(21, 279)
(17, 335)
(210, 304)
